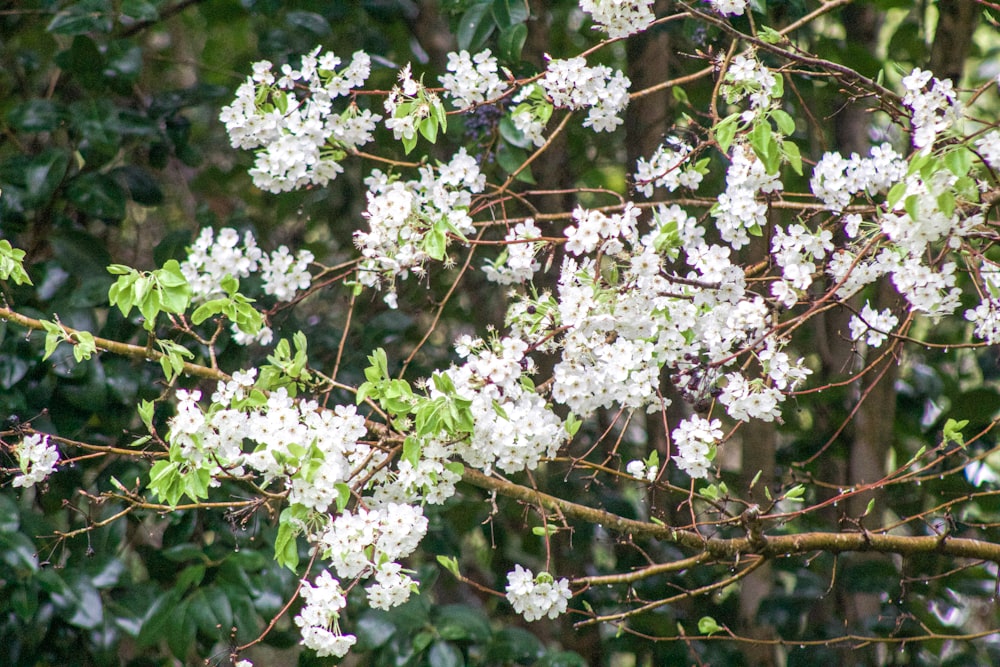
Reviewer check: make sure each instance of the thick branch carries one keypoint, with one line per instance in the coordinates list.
(769, 546)
(115, 347)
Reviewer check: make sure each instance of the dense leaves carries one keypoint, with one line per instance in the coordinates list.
(113, 158)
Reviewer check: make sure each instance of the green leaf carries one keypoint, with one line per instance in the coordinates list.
(36, 115)
(286, 547)
(84, 61)
(952, 431)
(708, 626)
(180, 630)
(142, 188)
(572, 424)
(769, 35)
(785, 123)
(98, 196)
(435, 243)
(871, 506)
(411, 451)
(795, 493)
(946, 203)
(510, 13)
(12, 264)
(511, 42)
(140, 10)
(475, 26)
(82, 17)
(510, 158)
(451, 564)
(791, 153)
(443, 654)
(895, 194)
(211, 612)
(959, 161)
(44, 173)
(459, 622)
(428, 127)
(725, 132)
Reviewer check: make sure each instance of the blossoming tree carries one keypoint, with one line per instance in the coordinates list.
(728, 398)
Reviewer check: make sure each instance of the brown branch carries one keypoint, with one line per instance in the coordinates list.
(771, 546)
(115, 347)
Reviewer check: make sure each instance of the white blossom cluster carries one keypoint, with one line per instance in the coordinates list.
(988, 146)
(986, 315)
(928, 290)
(369, 542)
(695, 439)
(643, 470)
(669, 167)
(319, 618)
(213, 257)
(472, 79)
(615, 346)
(602, 90)
(729, 7)
(796, 250)
(737, 210)
(935, 107)
(537, 597)
(407, 105)
(746, 400)
(514, 428)
(836, 179)
(748, 78)
(913, 233)
(620, 18)
(625, 319)
(877, 324)
(311, 449)
(517, 262)
(674, 229)
(37, 458)
(596, 230)
(405, 217)
(290, 123)
(531, 114)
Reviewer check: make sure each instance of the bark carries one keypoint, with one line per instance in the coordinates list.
(957, 21)
(870, 434)
(432, 32)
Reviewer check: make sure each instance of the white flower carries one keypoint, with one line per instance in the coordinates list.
(37, 458)
(934, 109)
(640, 470)
(729, 7)
(877, 324)
(570, 83)
(989, 146)
(517, 264)
(291, 124)
(536, 597)
(319, 617)
(695, 439)
(471, 79)
(669, 167)
(620, 18)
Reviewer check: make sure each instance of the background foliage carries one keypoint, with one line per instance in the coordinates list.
(111, 151)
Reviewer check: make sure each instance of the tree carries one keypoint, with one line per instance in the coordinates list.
(478, 350)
